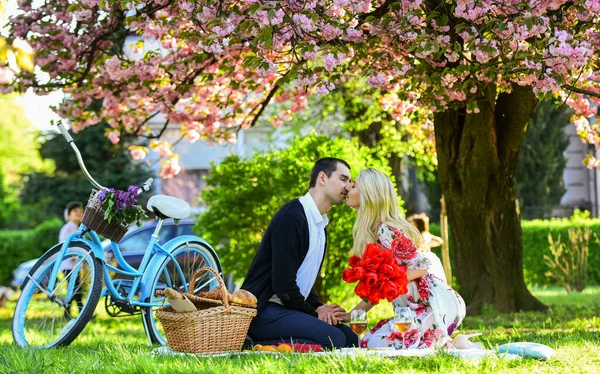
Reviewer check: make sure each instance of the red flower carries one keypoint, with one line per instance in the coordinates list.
(374, 296)
(390, 291)
(359, 273)
(349, 276)
(370, 264)
(371, 279)
(372, 249)
(362, 290)
(354, 261)
(378, 274)
(387, 270)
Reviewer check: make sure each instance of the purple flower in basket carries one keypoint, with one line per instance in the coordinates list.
(121, 206)
(102, 195)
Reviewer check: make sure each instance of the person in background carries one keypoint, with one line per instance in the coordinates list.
(421, 222)
(73, 216)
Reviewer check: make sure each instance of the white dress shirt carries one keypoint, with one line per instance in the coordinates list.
(308, 271)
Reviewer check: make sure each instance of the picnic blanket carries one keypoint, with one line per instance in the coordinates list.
(357, 352)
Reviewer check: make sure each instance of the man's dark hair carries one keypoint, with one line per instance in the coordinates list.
(73, 205)
(326, 165)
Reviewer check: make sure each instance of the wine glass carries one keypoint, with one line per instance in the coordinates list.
(403, 319)
(358, 321)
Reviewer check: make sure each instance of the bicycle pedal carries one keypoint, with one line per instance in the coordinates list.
(124, 306)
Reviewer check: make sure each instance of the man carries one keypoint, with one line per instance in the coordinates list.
(288, 261)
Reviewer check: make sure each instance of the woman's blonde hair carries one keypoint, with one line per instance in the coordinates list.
(378, 203)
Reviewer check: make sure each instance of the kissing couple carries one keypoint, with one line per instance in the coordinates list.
(292, 250)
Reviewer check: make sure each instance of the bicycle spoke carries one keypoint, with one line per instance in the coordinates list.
(50, 320)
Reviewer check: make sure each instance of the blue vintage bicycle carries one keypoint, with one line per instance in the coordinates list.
(43, 315)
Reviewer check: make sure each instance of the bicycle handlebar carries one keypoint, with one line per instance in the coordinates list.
(144, 187)
(64, 132)
(69, 139)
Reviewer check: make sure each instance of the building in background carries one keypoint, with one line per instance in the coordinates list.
(582, 184)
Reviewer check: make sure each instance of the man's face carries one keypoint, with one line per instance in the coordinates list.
(338, 185)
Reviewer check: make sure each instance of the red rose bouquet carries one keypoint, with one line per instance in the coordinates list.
(378, 274)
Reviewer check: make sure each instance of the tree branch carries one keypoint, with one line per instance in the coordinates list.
(263, 105)
(581, 90)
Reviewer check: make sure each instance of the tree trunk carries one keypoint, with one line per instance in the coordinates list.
(477, 156)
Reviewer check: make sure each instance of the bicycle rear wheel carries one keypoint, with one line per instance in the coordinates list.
(189, 257)
(45, 318)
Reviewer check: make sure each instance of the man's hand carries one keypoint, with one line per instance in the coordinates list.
(332, 314)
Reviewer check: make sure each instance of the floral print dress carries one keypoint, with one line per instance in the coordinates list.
(438, 309)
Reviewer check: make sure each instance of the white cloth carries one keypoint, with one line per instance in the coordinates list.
(308, 271)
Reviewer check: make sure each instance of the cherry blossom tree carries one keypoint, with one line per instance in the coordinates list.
(473, 69)
(13, 57)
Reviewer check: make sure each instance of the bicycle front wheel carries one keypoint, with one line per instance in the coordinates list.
(46, 317)
(190, 257)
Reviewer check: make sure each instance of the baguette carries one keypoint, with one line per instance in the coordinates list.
(172, 294)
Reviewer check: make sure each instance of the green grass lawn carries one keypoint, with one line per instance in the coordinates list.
(571, 327)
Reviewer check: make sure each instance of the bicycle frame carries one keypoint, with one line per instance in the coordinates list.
(150, 265)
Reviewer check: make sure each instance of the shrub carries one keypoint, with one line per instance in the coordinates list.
(535, 246)
(569, 264)
(18, 246)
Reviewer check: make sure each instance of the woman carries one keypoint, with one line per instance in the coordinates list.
(437, 308)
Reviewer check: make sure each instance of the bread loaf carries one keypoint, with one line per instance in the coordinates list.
(244, 297)
(215, 294)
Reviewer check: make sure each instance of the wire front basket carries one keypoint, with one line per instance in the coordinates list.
(93, 218)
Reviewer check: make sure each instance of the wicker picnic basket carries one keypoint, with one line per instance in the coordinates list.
(93, 217)
(216, 327)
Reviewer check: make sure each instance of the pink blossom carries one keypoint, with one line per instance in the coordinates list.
(378, 80)
(114, 137)
(169, 168)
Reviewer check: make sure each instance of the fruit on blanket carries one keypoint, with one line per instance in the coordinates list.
(269, 348)
(285, 348)
(257, 347)
(244, 297)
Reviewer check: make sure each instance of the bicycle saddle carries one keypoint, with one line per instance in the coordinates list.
(168, 207)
